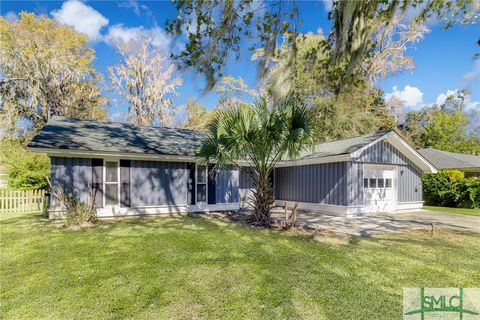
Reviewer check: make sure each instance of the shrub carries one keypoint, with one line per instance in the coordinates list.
(440, 189)
(468, 193)
(449, 188)
(26, 170)
(77, 212)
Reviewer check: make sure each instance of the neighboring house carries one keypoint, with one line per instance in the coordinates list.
(144, 170)
(467, 163)
(3, 176)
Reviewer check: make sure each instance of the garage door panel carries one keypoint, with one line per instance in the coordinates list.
(378, 190)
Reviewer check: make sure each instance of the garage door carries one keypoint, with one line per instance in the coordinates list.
(379, 190)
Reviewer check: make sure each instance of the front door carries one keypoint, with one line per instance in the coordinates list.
(379, 190)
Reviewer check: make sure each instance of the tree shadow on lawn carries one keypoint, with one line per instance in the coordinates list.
(219, 269)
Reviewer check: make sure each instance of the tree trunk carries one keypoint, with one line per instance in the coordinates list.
(263, 199)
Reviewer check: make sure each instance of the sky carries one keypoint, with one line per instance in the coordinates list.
(444, 58)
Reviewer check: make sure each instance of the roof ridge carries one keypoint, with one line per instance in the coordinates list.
(359, 136)
(127, 124)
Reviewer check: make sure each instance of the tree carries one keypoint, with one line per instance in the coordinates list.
(258, 136)
(46, 70)
(26, 170)
(445, 127)
(145, 79)
(358, 109)
(198, 117)
(217, 29)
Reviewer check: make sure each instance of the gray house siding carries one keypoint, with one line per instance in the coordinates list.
(74, 175)
(150, 183)
(155, 183)
(227, 185)
(409, 176)
(316, 183)
(354, 187)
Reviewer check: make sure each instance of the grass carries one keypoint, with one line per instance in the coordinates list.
(193, 267)
(465, 211)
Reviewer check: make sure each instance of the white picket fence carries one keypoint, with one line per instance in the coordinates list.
(22, 200)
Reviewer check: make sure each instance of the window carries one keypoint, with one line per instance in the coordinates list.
(373, 183)
(365, 182)
(381, 183)
(201, 183)
(111, 183)
(388, 183)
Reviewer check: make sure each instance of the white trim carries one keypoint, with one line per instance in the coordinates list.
(197, 183)
(401, 145)
(410, 205)
(105, 160)
(302, 162)
(113, 155)
(109, 212)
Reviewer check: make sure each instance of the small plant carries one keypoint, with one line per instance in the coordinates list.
(77, 212)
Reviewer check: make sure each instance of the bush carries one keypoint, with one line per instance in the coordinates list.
(449, 188)
(468, 193)
(26, 170)
(77, 212)
(440, 189)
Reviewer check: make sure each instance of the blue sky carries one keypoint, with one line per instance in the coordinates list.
(444, 59)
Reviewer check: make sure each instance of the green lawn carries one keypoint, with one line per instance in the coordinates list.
(469, 212)
(185, 268)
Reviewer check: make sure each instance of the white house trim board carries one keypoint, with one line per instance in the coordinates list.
(410, 205)
(401, 145)
(109, 212)
(302, 162)
(113, 155)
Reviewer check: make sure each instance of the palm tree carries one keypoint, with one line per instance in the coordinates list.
(254, 138)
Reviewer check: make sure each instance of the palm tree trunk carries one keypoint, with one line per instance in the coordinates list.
(263, 199)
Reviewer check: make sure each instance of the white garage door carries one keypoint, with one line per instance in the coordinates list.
(379, 190)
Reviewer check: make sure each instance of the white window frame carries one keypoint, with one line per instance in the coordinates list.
(105, 183)
(197, 183)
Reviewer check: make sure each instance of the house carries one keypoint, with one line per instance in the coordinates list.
(467, 163)
(139, 170)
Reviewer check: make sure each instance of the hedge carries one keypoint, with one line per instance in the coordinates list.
(449, 188)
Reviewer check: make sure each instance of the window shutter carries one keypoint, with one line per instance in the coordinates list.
(97, 181)
(125, 183)
(212, 186)
(191, 183)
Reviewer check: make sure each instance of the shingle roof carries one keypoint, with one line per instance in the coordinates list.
(73, 134)
(344, 146)
(450, 160)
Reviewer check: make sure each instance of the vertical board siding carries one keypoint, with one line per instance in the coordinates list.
(155, 183)
(74, 175)
(409, 185)
(354, 183)
(315, 183)
(125, 183)
(227, 185)
(244, 187)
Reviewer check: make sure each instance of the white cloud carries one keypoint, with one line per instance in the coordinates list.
(470, 76)
(11, 16)
(118, 32)
(135, 6)
(442, 97)
(82, 18)
(412, 97)
(328, 4)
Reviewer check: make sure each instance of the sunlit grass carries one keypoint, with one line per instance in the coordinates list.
(186, 268)
(465, 211)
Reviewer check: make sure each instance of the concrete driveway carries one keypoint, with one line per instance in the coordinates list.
(385, 222)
